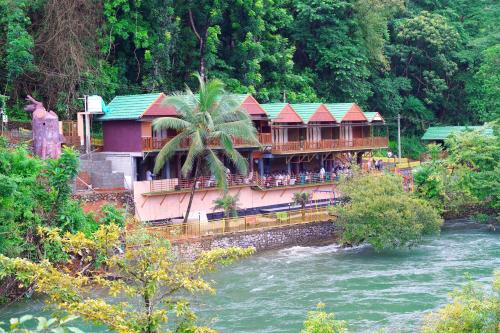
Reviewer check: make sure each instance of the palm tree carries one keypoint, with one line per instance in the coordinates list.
(210, 116)
(302, 199)
(229, 204)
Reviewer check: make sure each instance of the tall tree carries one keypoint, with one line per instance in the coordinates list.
(210, 116)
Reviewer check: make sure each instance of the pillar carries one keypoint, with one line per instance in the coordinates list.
(261, 166)
(167, 169)
(321, 161)
(289, 167)
(178, 165)
(250, 162)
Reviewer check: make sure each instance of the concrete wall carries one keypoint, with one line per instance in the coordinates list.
(122, 136)
(123, 162)
(174, 204)
(268, 239)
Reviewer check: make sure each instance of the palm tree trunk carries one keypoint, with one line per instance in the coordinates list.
(303, 212)
(226, 220)
(193, 188)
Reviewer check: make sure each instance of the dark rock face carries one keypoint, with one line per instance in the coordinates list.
(47, 139)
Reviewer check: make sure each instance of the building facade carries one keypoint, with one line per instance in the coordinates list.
(294, 137)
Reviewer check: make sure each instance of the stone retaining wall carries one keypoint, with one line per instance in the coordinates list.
(268, 239)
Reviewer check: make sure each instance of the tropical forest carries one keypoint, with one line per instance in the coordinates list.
(312, 166)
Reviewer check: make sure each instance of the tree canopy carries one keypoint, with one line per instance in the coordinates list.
(431, 61)
(380, 213)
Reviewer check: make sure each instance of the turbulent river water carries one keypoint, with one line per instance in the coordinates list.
(272, 291)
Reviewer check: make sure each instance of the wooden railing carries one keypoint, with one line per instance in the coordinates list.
(149, 143)
(176, 184)
(199, 229)
(264, 182)
(329, 144)
(265, 138)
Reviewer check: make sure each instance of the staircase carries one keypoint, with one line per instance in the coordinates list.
(96, 169)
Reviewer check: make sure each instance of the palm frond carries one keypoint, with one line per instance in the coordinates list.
(195, 150)
(170, 123)
(210, 95)
(236, 158)
(241, 129)
(167, 151)
(217, 168)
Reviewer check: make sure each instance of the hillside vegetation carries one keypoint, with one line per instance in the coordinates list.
(432, 61)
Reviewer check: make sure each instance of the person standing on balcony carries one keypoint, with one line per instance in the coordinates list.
(322, 173)
(149, 175)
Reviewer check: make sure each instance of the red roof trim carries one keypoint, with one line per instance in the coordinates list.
(252, 107)
(322, 114)
(354, 114)
(157, 109)
(288, 115)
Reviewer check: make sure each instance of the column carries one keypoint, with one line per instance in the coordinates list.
(167, 169)
(261, 166)
(289, 167)
(250, 162)
(178, 165)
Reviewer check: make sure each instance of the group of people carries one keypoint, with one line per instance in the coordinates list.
(373, 164)
(282, 178)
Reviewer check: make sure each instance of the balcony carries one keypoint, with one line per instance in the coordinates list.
(330, 145)
(162, 186)
(152, 144)
(265, 139)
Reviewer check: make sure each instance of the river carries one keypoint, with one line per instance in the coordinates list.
(272, 291)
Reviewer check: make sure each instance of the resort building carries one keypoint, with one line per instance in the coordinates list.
(438, 134)
(301, 145)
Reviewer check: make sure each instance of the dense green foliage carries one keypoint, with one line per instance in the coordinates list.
(467, 178)
(379, 212)
(431, 61)
(36, 193)
(320, 321)
(473, 309)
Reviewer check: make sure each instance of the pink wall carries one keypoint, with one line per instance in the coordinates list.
(150, 208)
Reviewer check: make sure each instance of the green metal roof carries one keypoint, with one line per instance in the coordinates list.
(129, 106)
(442, 132)
(370, 115)
(339, 109)
(273, 109)
(305, 110)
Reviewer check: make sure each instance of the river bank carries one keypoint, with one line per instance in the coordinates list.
(308, 234)
(272, 290)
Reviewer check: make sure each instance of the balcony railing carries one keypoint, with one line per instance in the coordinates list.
(176, 184)
(149, 143)
(253, 179)
(329, 144)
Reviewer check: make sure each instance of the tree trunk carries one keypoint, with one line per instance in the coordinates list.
(303, 213)
(201, 41)
(193, 188)
(226, 221)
